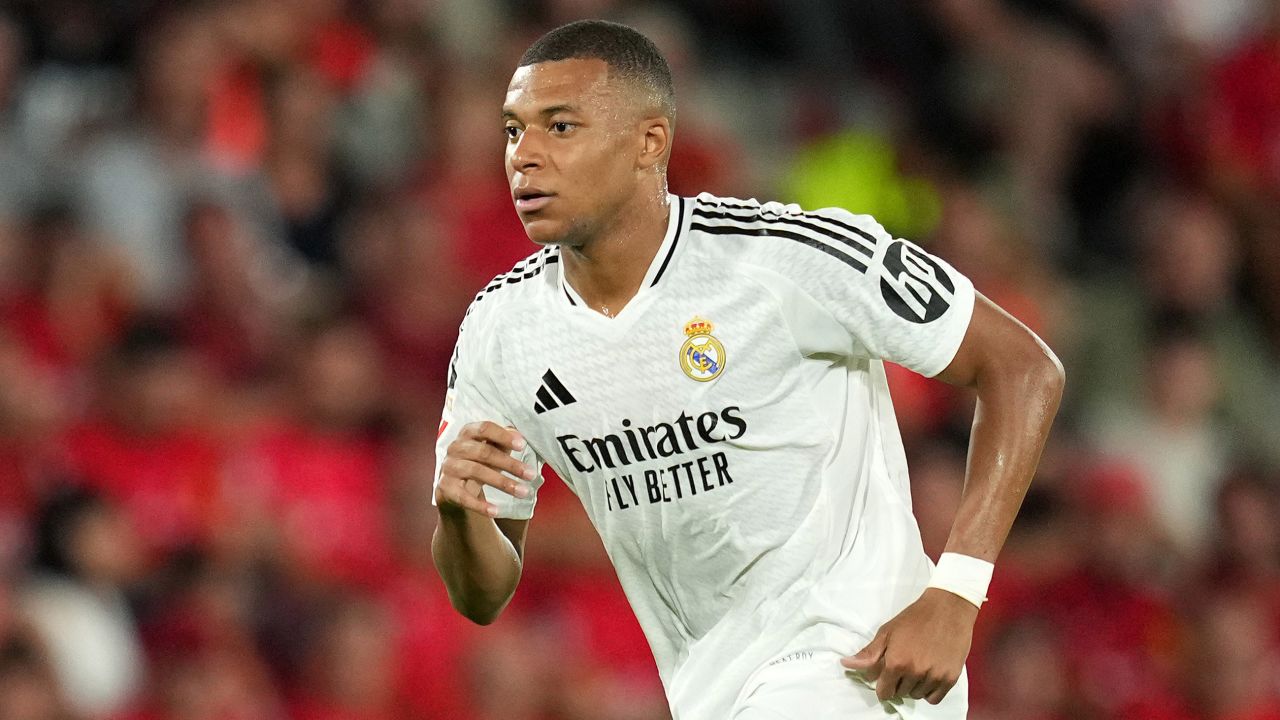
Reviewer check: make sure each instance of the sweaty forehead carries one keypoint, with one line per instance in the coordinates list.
(577, 82)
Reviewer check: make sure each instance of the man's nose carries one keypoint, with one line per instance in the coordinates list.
(527, 153)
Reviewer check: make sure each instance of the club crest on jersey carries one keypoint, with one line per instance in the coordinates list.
(702, 357)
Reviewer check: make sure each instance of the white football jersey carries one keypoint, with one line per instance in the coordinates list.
(730, 431)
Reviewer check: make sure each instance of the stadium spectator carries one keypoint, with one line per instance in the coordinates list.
(1189, 277)
(88, 556)
(147, 444)
(1235, 634)
(349, 672)
(1027, 657)
(1171, 439)
(319, 466)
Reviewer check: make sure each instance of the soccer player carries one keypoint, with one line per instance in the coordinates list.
(707, 375)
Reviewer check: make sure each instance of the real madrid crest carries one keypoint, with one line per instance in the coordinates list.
(702, 357)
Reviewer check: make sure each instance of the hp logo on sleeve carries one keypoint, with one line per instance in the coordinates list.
(914, 285)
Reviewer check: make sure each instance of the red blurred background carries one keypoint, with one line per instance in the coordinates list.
(237, 237)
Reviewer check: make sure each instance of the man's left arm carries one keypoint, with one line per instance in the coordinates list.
(920, 652)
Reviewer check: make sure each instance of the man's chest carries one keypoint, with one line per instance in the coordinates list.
(654, 411)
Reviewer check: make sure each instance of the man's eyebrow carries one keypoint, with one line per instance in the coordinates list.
(549, 111)
(509, 114)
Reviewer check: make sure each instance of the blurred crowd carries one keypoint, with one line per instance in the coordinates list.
(237, 237)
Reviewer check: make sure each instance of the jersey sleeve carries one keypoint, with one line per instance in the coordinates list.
(896, 301)
(472, 396)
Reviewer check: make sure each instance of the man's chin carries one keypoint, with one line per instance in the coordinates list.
(545, 231)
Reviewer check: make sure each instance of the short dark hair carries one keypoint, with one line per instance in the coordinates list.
(629, 54)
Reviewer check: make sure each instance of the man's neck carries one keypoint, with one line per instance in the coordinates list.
(607, 270)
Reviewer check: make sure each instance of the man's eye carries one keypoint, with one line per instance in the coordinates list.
(512, 132)
(561, 127)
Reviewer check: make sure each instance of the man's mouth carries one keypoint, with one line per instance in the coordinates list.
(531, 199)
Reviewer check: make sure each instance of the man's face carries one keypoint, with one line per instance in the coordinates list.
(572, 144)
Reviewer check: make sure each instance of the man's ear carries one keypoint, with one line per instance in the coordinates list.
(657, 142)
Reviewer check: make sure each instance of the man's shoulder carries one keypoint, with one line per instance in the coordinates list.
(726, 228)
(772, 210)
(749, 229)
(706, 202)
(515, 285)
(489, 315)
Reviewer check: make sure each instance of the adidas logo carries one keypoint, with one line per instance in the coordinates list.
(552, 394)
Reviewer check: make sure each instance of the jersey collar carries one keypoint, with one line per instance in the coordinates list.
(658, 267)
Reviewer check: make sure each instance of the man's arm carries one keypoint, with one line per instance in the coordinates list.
(1019, 381)
(478, 557)
(1019, 385)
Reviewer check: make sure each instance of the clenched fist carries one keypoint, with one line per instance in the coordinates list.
(921, 651)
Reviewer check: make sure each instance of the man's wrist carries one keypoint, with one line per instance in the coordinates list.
(963, 575)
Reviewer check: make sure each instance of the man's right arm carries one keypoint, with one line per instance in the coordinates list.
(480, 557)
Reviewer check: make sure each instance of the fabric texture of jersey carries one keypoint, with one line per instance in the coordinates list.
(730, 431)
(810, 685)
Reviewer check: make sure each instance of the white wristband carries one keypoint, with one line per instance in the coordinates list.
(963, 575)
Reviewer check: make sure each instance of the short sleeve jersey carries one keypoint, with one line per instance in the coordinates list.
(730, 431)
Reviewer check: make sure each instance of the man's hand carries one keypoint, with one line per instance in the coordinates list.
(921, 651)
(478, 457)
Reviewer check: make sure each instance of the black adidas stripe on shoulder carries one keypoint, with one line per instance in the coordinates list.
(530, 267)
(523, 270)
(721, 202)
(871, 240)
(852, 236)
(774, 232)
(719, 223)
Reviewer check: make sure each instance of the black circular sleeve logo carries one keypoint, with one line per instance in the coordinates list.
(914, 285)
